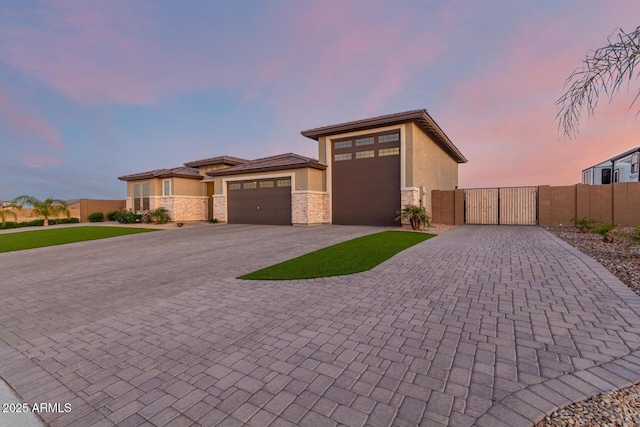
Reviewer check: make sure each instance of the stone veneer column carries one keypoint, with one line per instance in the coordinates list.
(220, 208)
(409, 197)
(309, 208)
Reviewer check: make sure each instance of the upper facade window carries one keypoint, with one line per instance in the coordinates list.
(364, 141)
(367, 146)
(342, 144)
(389, 138)
(166, 187)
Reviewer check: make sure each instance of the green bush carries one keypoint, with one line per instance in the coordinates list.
(160, 215)
(96, 217)
(416, 215)
(73, 220)
(608, 231)
(9, 224)
(113, 216)
(583, 224)
(36, 223)
(126, 217)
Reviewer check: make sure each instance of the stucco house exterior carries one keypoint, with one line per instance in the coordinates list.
(366, 171)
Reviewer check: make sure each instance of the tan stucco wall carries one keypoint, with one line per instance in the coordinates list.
(179, 187)
(427, 164)
(322, 150)
(186, 187)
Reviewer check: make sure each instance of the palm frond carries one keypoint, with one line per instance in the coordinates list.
(603, 72)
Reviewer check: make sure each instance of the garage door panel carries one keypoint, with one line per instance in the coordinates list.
(365, 190)
(260, 205)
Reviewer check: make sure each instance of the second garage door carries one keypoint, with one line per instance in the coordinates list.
(266, 201)
(366, 179)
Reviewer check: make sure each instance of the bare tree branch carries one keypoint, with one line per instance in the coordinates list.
(603, 72)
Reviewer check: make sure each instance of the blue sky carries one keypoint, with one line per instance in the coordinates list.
(93, 90)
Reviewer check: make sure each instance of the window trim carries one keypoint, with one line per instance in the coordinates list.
(164, 187)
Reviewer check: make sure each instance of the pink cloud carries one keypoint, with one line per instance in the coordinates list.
(26, 122)
(339, 63)
(510, 134)
(36, 161)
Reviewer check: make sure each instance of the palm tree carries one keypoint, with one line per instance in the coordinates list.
(3, 216)
(45, 208)
(603, 72)
(416, 215)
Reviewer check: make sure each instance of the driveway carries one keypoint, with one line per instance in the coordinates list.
(483, 325)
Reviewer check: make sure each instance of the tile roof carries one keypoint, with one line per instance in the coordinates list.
(420, 117)
(180, 171)
(272, 163)
(220, 160)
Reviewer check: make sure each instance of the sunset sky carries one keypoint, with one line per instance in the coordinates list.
(92, 90)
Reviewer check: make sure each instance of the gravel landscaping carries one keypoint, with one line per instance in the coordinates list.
(622, 407)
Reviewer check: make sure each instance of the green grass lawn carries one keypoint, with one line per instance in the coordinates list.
(348, 257)
(59, 236)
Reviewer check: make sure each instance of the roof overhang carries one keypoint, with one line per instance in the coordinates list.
(221, 160)
(232, 171)
(420, 117)
(151, 175)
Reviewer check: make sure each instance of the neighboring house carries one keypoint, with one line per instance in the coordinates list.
(366, 172)
(621, 168)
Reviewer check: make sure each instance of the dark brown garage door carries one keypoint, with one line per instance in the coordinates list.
(266, 201)
(366, 179)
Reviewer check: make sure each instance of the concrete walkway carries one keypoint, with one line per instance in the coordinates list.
(484, 325)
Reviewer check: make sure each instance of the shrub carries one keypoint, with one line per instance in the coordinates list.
(9, 224)
(160, 215)
(608, 231)
(36, 223)
(112, 216)
(416, 215)
(96, 217)
(126, 217)
(73, 220)
(213, 221)
(583, 224)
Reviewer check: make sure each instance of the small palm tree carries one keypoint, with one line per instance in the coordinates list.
(416, 215)
(160, 215)
(3, 216)
(45, 208)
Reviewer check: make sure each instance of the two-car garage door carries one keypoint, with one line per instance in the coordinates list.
(265, 201)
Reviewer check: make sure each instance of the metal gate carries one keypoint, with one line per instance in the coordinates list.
(510, 205)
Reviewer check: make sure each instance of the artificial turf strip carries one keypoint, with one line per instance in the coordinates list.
(50, 237)
(353, 256)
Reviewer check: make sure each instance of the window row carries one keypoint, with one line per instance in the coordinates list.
(367, 154)
(259, 184)
(368, 140)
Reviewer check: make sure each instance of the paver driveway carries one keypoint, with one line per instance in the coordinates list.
(486, 325)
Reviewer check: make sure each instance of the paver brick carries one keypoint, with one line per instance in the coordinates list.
(476, 315)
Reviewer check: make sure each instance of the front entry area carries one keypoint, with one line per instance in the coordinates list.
(265, 201)
(366, 180)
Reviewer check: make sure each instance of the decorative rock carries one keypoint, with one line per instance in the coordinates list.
(622, 407)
